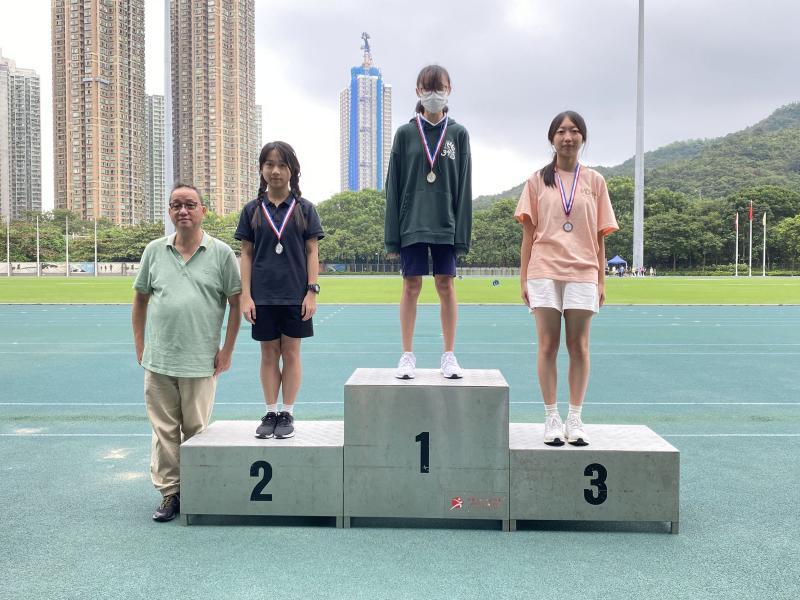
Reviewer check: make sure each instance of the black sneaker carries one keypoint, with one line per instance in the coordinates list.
(267, 427)
(285, 426)
(169, 509)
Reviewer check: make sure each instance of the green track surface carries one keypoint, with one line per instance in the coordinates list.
(471, 290)
(718, 382)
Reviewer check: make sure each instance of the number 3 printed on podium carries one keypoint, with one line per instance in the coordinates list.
(599, 472)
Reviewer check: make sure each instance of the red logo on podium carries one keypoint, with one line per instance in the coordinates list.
(456, 503)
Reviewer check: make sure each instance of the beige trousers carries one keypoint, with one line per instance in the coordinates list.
(178, 408)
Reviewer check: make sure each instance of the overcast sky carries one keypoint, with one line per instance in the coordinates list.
(711, 68)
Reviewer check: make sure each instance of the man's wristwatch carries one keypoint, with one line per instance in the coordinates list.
(313, 287)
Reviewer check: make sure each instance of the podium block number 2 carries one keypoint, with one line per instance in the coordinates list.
(424, 439)
(255, 469)
(600, 493)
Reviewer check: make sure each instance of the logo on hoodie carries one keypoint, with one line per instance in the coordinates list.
(449, 150)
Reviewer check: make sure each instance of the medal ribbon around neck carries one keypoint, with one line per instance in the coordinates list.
(567, 204)
(431, 157)
(279, 232)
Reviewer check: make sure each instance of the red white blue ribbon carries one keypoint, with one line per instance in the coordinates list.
(279, 232)
(431, 157)
(567, 203)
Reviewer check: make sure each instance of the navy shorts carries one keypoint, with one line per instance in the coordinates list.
(272, 321)
(414, 259)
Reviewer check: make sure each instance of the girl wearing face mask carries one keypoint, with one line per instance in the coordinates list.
(565, 213)
(429, 211)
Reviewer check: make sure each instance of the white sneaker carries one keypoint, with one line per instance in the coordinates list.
(406, 366)
(573, 430)
(553, 430)
(450, 366)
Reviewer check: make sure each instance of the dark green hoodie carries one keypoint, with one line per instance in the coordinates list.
(418, 211)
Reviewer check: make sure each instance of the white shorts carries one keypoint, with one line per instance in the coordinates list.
(563, 295)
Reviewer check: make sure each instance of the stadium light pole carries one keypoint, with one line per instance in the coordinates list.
(638, 194)
(169, 228)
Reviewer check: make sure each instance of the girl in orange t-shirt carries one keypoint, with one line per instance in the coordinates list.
(565, 213)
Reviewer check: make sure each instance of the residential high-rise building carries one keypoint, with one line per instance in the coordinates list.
(365, 121)
(20, 141)
(154, 195)
(213, 99)
(259, 132)
(98, 108)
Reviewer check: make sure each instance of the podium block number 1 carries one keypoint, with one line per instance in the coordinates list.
(600, 493)
(424, 439)
(255, 468)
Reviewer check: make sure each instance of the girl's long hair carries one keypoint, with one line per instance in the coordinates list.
(288, 156)
(549, 171)
(432, 77)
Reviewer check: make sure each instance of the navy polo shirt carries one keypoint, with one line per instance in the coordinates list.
(278, 278)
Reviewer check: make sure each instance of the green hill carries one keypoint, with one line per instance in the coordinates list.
(767, 153)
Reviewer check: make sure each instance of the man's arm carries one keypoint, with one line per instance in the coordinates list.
(222, 361)
(139, 320)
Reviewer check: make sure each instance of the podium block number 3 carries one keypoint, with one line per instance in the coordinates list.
(424, 439)
(255, 469)
(600, 493)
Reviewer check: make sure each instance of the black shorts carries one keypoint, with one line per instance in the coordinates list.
(414, 259)
(275, 320)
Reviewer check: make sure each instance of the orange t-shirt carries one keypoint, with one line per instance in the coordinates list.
(566, 255)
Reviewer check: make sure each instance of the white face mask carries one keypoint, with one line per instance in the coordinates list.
(433, 102)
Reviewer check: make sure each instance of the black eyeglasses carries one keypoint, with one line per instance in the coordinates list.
(177, 206)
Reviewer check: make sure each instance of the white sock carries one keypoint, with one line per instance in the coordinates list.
(272, 408)
(551, 409)
(575, 410)
(289, 408)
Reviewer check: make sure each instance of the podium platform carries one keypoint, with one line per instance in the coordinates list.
(626, 473)
(226, 470)
(428, 447)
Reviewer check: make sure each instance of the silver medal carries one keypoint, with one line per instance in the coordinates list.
(279, 248)
(431, 177)
(567, 226)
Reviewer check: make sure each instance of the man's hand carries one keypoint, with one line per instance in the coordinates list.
(222, 361)
(139, 353)
(249, 309)
(309, 306)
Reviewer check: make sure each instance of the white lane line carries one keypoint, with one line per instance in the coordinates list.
(682, 435)
(75, 435)
(424, 352)
(515, 402)
(736, 435)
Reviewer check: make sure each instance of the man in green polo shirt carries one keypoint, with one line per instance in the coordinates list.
(183, 285)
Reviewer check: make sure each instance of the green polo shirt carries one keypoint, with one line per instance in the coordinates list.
(187, 304)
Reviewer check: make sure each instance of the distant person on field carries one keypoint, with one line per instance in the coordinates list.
(429, 212)
(566, 212)
(184, 282)
(280, 232)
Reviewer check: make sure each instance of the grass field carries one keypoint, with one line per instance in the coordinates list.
(471, 290)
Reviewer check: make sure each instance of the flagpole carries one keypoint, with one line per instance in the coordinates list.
(764, 250)
(750, 258)
(95, 246)
(66, 235)
(736, 260)
(38, 262)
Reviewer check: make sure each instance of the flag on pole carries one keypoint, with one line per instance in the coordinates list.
(736, 222)
(751, 210)
(764, 219)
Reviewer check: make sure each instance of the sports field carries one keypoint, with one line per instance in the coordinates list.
(471, 290)
(717, 382)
